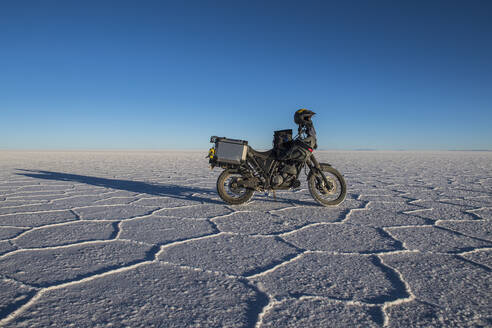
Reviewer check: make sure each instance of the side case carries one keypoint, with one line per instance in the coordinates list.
(230, 151)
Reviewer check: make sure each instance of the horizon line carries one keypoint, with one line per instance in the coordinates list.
(206, 149)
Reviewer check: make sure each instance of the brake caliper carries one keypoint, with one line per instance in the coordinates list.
(234, 185)
(323, 188)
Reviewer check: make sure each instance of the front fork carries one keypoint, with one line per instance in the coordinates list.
(315, 168)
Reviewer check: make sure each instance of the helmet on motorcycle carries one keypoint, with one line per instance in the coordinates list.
(303, 116)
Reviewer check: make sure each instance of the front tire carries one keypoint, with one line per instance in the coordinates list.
(229, 191)
(327, 195)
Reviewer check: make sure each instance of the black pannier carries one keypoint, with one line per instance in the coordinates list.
(230, 151)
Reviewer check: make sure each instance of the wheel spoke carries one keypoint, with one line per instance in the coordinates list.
(229, 189)
(331, 194)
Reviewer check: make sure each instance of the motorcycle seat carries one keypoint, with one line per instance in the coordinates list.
(263, 154)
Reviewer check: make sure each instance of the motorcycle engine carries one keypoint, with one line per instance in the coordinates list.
(277, 180)
(289, 170)
(285, 176)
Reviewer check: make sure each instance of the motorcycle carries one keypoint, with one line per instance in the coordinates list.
(247, 170)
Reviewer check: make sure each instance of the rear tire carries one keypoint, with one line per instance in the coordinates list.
(320, 193)
(230, 194)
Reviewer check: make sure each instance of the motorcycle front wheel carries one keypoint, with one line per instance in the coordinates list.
(325, 195)
(230, 191)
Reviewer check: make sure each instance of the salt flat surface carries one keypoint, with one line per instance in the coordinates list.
(142, 239)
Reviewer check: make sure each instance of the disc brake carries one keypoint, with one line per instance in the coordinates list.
(234, 186)
(323, 188)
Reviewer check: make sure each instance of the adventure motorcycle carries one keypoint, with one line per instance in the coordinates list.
(247, 170)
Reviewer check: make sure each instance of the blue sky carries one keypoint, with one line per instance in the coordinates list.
(168, 74)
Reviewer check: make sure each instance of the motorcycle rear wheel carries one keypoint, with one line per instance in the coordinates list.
(325, 195)
(229, 191)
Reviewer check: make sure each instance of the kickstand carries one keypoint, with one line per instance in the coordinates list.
(274, 195)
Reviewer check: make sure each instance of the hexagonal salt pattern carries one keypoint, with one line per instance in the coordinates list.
(460, 287)
(423, 314)
(141, 239)
(66, 234)
(161, 230)
(258, 223)
(150, 295)
(475, 228)
(14, 294)
(50, 266)
(318, 312)
(340, 277)
(225, 253)
(113, 212)
(342, 238)
(435, 239)
(10, 232)
(6, 246)
(37, 219)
